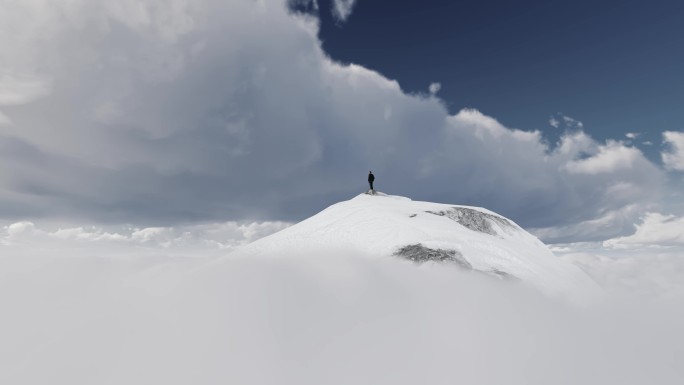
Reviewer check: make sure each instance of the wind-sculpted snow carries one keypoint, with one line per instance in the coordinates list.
(474, 220)
(419, 254)
(388, 226)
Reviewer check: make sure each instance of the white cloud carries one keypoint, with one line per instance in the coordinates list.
(673, 158)
(314, 319)
(434, 88)
(607, 224)
(655, 230)
(649, 262)
(25, 238)
(632, 135)
(161, 113)
(573, 123)
(637, 272)
(20, 228)
(576, 143)
(560, 120)
(342, 9)
(612, 157)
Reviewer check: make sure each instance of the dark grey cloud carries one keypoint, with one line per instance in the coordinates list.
(158, 112)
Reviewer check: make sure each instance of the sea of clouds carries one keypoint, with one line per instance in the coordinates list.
(138, 318)
(175, 307)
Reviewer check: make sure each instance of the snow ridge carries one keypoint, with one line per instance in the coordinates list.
(474, 220)
(473, 238)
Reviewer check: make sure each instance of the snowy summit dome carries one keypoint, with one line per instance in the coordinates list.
(473, 238)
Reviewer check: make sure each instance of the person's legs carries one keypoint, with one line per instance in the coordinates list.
(371, 185)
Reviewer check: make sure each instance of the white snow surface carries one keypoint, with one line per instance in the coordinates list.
(379, 225)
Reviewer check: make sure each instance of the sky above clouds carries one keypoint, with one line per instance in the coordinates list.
(169, 113)
(614, 65)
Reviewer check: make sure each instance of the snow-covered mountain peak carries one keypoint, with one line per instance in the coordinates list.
(388, 226)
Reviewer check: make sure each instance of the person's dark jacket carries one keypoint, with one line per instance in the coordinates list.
(371, 177)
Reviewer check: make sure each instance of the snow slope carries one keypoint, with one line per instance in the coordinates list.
(327, 302)
(392, 226)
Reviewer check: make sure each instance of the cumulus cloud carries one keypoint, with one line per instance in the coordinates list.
(570, 122)
(342, 9)
(560, 120)
(606, 224)
(609, 159)
(673, 157)
(649, 262)
(26, 238)
(434, 88)
(553, 122)
(577, 173)
(655, 230)
(159, 113)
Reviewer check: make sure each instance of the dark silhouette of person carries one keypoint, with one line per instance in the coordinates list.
(371, 178)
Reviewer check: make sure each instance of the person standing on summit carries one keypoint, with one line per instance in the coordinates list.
(371, 178)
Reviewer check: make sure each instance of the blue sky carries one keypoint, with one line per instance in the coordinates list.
(616, 66)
